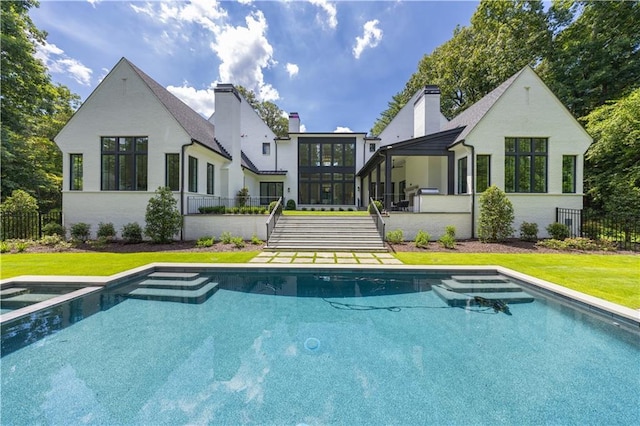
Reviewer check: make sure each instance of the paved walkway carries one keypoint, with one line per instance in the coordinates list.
(326, 257)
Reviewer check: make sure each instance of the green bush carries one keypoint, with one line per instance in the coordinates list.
(51, 240)
(225, 237)
(291, 204)
(80, 231)
(106, 231)
(583, 244)
(272, 205)
(395, 237)
(205, 242)
(422, 239)
(4, 247)
(132, 233)
(378, 205)
(242, 197)
(558, 231)
(163, 217)
(450, 230)
(213, 210)
(238, 242)
(448, 241)
(529, 231)
(256, 241)
(496, 216)
(52, 228)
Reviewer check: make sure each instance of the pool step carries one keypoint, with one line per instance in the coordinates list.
(25, 299)
(486, 286)
(174, 287)
(12, 291)
(456, 299)
(480, 278)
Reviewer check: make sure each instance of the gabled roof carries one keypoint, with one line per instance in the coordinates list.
(471, 116)
(197, 127)
(248, 165)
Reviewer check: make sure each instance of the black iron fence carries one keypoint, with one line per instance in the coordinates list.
(26, 226)
(582, 223)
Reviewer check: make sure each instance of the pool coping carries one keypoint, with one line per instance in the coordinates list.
(608, 310)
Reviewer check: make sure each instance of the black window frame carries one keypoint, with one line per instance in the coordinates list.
(487, 173)
(525, 165)
(569, 180)
(193, 174)
(127, 158)
(266, 148)
(76, 178)
(372, 147)
(463, 170)
(172, 171)
(210, 178)
(270, 191)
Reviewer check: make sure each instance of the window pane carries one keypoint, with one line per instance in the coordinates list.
(569, 174)
(524, 174)
(108, 172)
(338, 193)
(349, 154)
(482, 173)
(141, 144)
(462, 175)
(337, 176)
(125, 144)
(338, 155)
(266, 149)
(172, 171)
(326, 154)
(315, 154)
(304, 154)
(540, 174)
(314, 193)
(141, 172)
(540, 145)
(210, 177)
(193, 174)
(108, 144)
(125, 173)
(304, 194)
(76, 172)
(510, 174)
(510, 145)
(524, 145)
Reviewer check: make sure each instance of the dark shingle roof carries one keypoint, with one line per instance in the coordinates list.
(471, 116)
(248, 164)
(196, 126)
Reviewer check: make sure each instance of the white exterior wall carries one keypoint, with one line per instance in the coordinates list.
(254, 132)
(288, 160)
(245, 226)
(433, 223)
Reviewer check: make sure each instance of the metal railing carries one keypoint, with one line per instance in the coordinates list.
(377, 218)
(26, 226)
(273, 217)
(581, 223)
(195, 203)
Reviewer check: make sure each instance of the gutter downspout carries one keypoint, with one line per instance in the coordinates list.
(473, 189)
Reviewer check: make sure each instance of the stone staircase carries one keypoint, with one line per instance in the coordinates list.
(325, 233)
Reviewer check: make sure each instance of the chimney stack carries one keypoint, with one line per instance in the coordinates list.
(294, 122)
(426, 112)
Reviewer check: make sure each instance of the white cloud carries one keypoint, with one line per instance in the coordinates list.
(292, 69)
(57, 62)
(341, 129)
(245, 52)
(202, 101)
(303, 128)
(330, 10)
(371, 38)
(93, 2)
(206, 13)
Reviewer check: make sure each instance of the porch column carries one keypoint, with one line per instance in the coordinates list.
(388, 196)
(378, 180)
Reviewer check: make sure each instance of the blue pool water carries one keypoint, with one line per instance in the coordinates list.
(326, 356)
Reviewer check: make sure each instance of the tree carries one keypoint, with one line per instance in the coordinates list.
(594, 57)
(19, 202)
(269, 112)
(496, 216)
(33, 110)
(612, 170)
(163, 217)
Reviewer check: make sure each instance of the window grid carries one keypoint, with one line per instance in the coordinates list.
(76, 178)
(526, 165)
(124, 163)
(569, 174)
(193, 174)
(210, 178)
(483, 172)
(462, 175)
(172, 171)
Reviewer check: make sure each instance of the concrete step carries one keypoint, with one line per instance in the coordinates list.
(196, 296)
(192, 284)
(484, 286)
(453, 298)
(25, 299)
(13, 291)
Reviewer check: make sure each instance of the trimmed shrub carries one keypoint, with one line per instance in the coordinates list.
(225, 237)
(132, 233)
(291, 204)
(80, 231)
(378, 205)
(584, 244)
(256, 241)
(558, 231)
(496, 216)
(448, 241)
(163, 217)
(395, 237)
(106, 231)
(205, 242)
(54, 229)
(529, 231)
(213, 210)
(272, 205)
(422, 239)
(242, 197)
(450, 230)
(238, 242)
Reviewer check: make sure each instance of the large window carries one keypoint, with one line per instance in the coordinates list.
(483, 172)
(326, 172)
(270, 191)
(172, 171)
(569, 173)
(525, 165)
(210, 178)
(193, 174)
(75, 180)
(124, 163)
(462, 175)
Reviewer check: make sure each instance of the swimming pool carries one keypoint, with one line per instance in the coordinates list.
(324, 346)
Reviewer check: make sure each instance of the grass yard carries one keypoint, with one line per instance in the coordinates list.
(615, 278)
(105, 263)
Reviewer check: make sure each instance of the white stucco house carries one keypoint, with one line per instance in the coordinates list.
(132, 136)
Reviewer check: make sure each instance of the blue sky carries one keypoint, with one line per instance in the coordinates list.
(337, 63)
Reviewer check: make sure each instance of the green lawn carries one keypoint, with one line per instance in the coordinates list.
(105, 263)
(611, 277)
